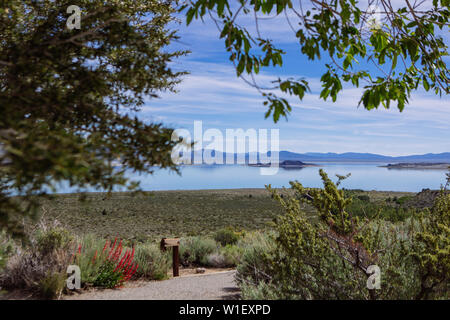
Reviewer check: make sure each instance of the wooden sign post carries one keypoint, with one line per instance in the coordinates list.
(175, 244)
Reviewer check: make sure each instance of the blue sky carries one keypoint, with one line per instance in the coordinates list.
(213, 94)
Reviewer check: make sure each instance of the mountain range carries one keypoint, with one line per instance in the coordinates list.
(348, 157)
(363, 157)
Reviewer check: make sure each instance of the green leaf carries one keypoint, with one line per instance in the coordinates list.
(190, 15)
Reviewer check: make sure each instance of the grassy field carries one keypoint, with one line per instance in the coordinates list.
(169, 213)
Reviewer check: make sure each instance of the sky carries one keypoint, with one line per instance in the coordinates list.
(212, 93)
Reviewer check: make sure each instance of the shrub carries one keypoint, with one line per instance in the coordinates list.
(194, 250)
(258, 291)
(402, 200)
(6, 249)
(431, 250)
(254, 263)
(52, 285)
(89, 259)
(35, 269)
(53, 239)
(364, 198)
(329, 259)
(226, 236)
(232, 254)
(225, 257)
(115, 268)
(216, 260)
(107, 277)
(153, 263)
(370, 210)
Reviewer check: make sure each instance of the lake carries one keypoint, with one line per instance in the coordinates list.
(366, 176)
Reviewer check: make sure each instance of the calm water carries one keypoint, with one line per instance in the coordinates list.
(363, 176)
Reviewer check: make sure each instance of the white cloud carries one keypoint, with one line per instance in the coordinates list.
(214, 94)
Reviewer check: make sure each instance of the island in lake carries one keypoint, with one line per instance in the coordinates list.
(418, 165)
(286, 164)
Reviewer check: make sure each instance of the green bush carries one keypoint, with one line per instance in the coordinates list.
(328, 257)
(232, 254)
(53, 239)
(52, 285)
(107, 277)
(6, 249)
(431, 249)
(91, 247)
(364, 209)
(402, 200)
(258, 291)
(195, 250)
(153, 263)
(364, 198)
(256, 250)
(225, 257)
(226, 236)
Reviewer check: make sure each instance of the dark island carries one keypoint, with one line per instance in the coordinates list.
(286, 164)
(418, 165)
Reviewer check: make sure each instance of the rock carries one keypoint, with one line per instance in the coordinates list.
(200, 270)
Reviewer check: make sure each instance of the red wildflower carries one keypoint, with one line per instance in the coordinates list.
(95, 256)
(106, 244)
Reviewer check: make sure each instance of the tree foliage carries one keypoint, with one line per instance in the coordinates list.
(389, 49)
(69, 97)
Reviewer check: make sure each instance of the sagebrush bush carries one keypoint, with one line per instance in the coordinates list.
(215, 260)
(258, 291)
(232, 254)
(35, 267)
(226, 236)
(254, 262)
(224, 257)
(154, 264)
(7, 248)
(52, 239)
(330, 257)
(52, 286)
(195, 250)
(366, 209)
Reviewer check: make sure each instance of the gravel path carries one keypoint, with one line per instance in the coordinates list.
(214, 286)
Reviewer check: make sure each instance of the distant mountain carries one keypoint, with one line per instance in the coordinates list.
(343, 157)
(366, 157)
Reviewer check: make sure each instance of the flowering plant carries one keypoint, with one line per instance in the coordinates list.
(112, 268)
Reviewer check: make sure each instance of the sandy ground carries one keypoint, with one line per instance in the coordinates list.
(209, 286)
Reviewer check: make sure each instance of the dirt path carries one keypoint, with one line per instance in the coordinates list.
(213, 286)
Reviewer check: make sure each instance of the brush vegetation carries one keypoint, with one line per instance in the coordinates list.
(153, 215)
(278, 239)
